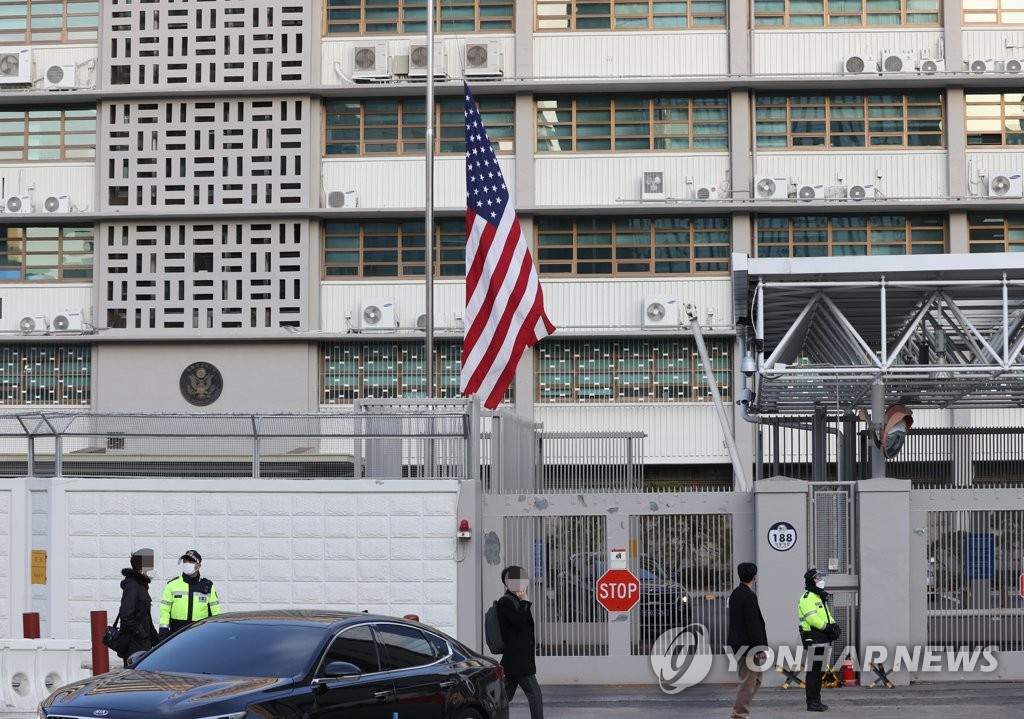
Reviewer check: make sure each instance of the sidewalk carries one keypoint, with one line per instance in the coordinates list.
(976, 700)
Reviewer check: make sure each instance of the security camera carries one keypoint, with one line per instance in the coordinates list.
(748, 365)
(746, 397)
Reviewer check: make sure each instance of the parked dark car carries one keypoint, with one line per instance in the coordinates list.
(664, 602)
(294, 665)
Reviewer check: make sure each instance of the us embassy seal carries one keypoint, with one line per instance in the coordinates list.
(201, 384)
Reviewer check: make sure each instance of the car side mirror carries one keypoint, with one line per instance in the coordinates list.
(134, 658)
(336, 670)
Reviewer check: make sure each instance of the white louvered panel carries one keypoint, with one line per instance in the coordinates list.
(570, 179)
(640, 54)
(676, 433)
(76, 180)
(1002, 417)
(1001, 43)
(903, 174)
(339, 298)
(399, 182)
(82, 56)
(821, 52)
(49, 300)
(342, 51)
(990, 163)
(577, 305)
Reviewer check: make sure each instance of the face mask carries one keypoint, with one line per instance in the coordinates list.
(820, 584)
(188, 568)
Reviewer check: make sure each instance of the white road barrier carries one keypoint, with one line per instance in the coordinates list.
(31, 668)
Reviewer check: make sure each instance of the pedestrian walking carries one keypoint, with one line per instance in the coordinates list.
(747, 638)
(135, 613)
(817, 632)
(188, 597)
(520, 656)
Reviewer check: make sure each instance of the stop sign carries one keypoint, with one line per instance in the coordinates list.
(618, 590)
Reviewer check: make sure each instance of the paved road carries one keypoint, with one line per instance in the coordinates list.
(981, 700)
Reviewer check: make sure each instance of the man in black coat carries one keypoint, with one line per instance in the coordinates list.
(519, 657)
(136, 604)
(747, 634)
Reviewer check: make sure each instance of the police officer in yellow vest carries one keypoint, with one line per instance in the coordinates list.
(187, 598)
(817, 631)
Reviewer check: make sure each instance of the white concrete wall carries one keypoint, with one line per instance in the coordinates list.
(634, 54)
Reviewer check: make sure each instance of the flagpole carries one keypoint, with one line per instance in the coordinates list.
(428, 215)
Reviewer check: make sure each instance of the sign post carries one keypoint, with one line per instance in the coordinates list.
(618, 590)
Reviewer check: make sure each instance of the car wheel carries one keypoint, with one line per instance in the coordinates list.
(467, 714)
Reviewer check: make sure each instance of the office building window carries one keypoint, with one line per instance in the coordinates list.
(993, 12)
(398, 126)
(360, 17)
(995, 233)
(632, 123)
(354, 250)
(839, 121)
(630, 370)
(46, 253)
(995, 120)
(632, 246)
(630, 15)
(351, 371)
(48, 21)
(844, 13)
(846, 235)
(45, 374)
(43, 134)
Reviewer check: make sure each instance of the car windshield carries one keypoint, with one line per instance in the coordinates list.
(238, 649)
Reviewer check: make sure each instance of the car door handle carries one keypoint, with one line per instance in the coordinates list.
(383, 694)
(448, 684)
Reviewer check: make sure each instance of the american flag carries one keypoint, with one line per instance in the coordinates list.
(504, 302)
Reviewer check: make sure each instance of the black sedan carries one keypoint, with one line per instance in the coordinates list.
(294, 664)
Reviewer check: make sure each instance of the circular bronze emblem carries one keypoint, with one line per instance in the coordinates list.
(201, 384)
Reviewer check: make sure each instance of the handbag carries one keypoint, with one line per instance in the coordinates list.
(112, 637)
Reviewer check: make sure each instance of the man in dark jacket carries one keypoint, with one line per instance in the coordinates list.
(136, 604)
(747, 635)
(516, 621)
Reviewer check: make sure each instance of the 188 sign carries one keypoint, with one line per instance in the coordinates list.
(782, 536)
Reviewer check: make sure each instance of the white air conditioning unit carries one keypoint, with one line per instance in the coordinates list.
(342, 198)
(33, 323)
(929, 66)
(60, 77)
(1006, 185)
(652, 185)
(894, 62)
(707, 192)
(981, 66)
(418, 60)
(69, 321)
(15, 66)
(771, 188)
(57, 203)
(18, 204)
(810, 192)
(482, 59)
(370, 62)
(376, 314)
(1013, 67)
(860, 192)
(421, 321)
(860, 65)
(660, 313)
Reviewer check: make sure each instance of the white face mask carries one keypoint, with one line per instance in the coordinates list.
(188, 568)
(820, 584)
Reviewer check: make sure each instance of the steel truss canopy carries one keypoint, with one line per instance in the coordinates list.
(937, 330)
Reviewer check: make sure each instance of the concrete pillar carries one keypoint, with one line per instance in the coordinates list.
(885, 568)
(468, 581)
(779, 571)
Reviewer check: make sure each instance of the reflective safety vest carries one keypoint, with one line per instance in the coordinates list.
(183, 604)
(813, 612)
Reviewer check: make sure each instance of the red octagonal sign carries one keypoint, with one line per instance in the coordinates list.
(618, 590)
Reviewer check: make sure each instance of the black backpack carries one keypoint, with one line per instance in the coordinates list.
(492, 628)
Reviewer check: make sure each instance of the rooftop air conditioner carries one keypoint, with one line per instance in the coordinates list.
(1013, 66)
(69, 321)
(707, 192)
(860, 192)
(810, 192)
(930, 66)
(652, 185)
(15, 66)
(418, 60)
(1007, 185)
(60, 77)
(892, 62)
(771, 188)
(660, 313)
(370, 62)
(57, 203)
(860, 65)
(33, 323)
(376, 314)
(482, 59)
(981, 66)
(18, 204)
(342, 198)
